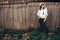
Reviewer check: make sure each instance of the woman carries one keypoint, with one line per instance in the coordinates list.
(42, 15)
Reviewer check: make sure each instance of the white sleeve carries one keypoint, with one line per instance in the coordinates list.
(46, 12)
(38, 13)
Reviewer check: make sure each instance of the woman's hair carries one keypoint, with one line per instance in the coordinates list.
(42, 5)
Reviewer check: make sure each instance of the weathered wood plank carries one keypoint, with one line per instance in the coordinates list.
(23, 16)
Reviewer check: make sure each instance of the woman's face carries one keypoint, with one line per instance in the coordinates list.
(43, 6)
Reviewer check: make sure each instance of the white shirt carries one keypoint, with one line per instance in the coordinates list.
(42, 13)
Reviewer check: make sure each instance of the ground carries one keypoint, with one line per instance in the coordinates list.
(34, 34)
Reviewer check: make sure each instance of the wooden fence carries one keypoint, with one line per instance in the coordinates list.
(23, 16)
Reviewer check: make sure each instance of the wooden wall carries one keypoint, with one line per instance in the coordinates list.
(23, 16)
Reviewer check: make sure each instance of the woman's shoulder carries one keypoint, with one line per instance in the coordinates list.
(39, 10)
(45, 9)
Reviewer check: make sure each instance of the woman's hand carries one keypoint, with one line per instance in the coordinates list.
(44, 20)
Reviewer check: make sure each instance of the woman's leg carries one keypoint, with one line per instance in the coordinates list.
(43, 26)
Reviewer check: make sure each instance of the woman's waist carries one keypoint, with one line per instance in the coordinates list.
(42, 17)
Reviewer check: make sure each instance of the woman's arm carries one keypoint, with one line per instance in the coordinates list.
(45, 18)
(46, 15)
(38, 14)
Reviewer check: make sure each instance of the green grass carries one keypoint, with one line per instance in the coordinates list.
(35, 34)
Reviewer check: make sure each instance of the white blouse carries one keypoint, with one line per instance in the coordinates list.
(42, 13)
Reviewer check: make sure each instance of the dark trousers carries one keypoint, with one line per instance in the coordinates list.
(43, 26)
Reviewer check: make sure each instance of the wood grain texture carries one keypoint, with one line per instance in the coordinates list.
(23, 16)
